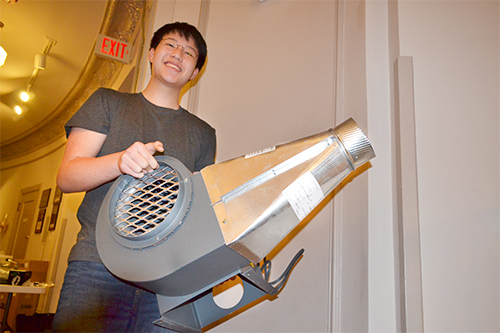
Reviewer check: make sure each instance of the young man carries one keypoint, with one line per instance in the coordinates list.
(112, 134)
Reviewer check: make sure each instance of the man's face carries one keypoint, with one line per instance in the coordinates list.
(174, 60)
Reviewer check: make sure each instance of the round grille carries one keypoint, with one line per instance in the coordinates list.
(144, 205)
(144, 211)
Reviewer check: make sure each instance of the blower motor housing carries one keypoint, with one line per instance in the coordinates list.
(179, 235)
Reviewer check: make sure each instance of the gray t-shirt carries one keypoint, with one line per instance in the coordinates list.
(125, 119)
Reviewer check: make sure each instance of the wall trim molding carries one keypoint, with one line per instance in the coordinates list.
(410, 317)
(335, 283)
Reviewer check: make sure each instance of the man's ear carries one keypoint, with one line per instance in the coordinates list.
(195, 73)
(151, 54)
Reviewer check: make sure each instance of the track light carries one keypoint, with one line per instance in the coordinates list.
(26, 95)
(3, 56)
(40, 61)
(18, 109)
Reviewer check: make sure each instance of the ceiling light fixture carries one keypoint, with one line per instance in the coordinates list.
(40, 60)
(3, 53)
(20, 111)
(26, 96)
(3, 56)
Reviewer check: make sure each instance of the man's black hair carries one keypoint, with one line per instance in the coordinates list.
(187, 31)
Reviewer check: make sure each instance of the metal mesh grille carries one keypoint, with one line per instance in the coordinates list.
(143, 205)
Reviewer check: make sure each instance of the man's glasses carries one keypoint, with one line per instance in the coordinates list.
(172, 45)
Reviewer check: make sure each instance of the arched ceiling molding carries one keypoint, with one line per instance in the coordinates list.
(122, 20)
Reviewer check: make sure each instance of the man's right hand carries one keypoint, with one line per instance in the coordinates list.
(138, 159)
(81, 170)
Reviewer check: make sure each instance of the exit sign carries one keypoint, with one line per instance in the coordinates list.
(113, 49)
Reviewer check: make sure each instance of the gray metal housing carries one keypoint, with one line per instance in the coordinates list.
(179, 235)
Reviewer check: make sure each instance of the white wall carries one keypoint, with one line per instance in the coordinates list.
(382, 291)
(455, 47)
(455, 50)
(270, 79)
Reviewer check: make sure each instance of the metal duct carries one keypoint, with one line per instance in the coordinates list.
(179, 235)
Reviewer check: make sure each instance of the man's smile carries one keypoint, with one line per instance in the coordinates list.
(172, 65)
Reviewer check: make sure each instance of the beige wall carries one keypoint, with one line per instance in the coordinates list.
(40, 169)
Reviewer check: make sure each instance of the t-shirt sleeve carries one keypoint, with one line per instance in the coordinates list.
(94, 114)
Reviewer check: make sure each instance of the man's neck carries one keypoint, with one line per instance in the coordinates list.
(161, 95)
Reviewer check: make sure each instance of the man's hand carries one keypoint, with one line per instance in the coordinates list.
(138, 159)
(81, 170)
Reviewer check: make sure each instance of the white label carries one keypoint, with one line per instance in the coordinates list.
(260, 152)
(304, 195)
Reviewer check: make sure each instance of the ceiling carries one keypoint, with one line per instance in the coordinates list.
(74, 26)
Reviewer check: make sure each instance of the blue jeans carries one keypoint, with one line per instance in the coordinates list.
(93, 300)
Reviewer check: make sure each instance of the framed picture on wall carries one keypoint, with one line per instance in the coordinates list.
(53, 218)
(55, 209)
(39, 221)
(44, 201)
(57, 196)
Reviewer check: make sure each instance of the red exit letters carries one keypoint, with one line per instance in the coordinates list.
(112, 49)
